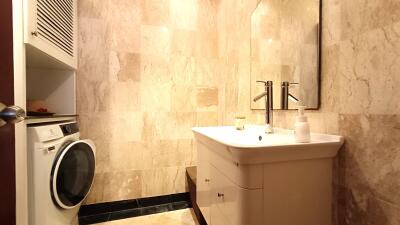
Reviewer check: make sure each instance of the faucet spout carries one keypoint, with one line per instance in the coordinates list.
(268, 104)
(258, 97)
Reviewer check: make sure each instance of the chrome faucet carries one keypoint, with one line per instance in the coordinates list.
(268, 105)
(286, 95)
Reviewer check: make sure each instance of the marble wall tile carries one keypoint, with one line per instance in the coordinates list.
(129, 156)
(94, 96)
(156, 12)
(93, 60)
(164, 180)
(124, 66)
(368, 69)
(182, 70)
(206, 72)
(93, 9)
(167, 153)
(183, 14)
(122, 185)
(183, 98)
(96, 192)
(125, 27)
(206, 97)
(183, 42)
(125, 97)
(206, 119)
(331, 22)
(155, 40)
(330, 84)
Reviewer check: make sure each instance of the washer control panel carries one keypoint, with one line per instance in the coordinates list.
(70, 128)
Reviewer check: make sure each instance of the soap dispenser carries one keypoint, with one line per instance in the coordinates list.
(301, 127)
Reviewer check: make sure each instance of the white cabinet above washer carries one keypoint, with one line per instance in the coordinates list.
(51, 32)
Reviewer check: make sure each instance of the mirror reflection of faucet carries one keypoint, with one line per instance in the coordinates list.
(268, 94)
(286, 95)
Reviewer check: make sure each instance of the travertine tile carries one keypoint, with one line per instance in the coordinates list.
(206, 72)
(183, 14)
(96, 192)
(163, 181)
(368, 72)
(173, 125)
(155, 40)
(372, 154)
(129, 156)
(93, 60)
(92, 9)
(124, 28)
(206, 119)
(156, 12)
(124, 66)
(331, 24)
(330, 82)
(207, 97)
(183, 98)
(125, 97)
(93, 96)
(183, 42)
(167, 153)
(122, 185)
(182, 69)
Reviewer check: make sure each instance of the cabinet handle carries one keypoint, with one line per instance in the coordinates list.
(220, 195)
(34, 33)
(207, 180)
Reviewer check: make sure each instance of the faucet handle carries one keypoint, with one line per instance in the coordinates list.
(261, 81)
(266, 83)
(288, 84)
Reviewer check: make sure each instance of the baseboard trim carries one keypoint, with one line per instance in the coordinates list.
(109, 211)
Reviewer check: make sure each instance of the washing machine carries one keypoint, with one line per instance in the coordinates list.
(61, 169)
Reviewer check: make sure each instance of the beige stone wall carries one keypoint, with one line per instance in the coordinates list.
(151, 69)
(360, 100)
(147, 74)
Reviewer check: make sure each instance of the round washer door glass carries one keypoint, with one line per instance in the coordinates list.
(72, 174)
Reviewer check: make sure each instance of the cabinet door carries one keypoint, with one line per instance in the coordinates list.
(204, 189)
(239, 206)
(51, 31)
(217, 216)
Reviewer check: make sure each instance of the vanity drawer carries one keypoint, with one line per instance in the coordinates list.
(238, 205)
(245, 176)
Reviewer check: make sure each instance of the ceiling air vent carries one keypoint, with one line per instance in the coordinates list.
(55, 23)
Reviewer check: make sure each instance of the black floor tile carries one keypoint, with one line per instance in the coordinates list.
(118, 215)
(98, 218)
(102, 212)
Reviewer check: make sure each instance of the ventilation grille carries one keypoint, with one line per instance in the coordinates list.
(55, 23)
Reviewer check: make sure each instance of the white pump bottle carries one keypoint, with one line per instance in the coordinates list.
(301, 127)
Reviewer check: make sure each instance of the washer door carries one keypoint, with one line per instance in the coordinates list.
(72, 173)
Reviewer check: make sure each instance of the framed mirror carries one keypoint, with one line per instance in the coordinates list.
(285, 49)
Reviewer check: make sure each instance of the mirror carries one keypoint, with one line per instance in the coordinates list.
(285, 49)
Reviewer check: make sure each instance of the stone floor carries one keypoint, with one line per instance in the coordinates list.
(178, 217)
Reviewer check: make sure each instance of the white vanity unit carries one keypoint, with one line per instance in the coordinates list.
(252, 178)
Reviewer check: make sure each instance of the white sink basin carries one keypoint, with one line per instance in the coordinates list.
(253, 146)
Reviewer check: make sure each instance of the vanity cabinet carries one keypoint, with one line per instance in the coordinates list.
(50, 32)
(220, 199)
(274, 182)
